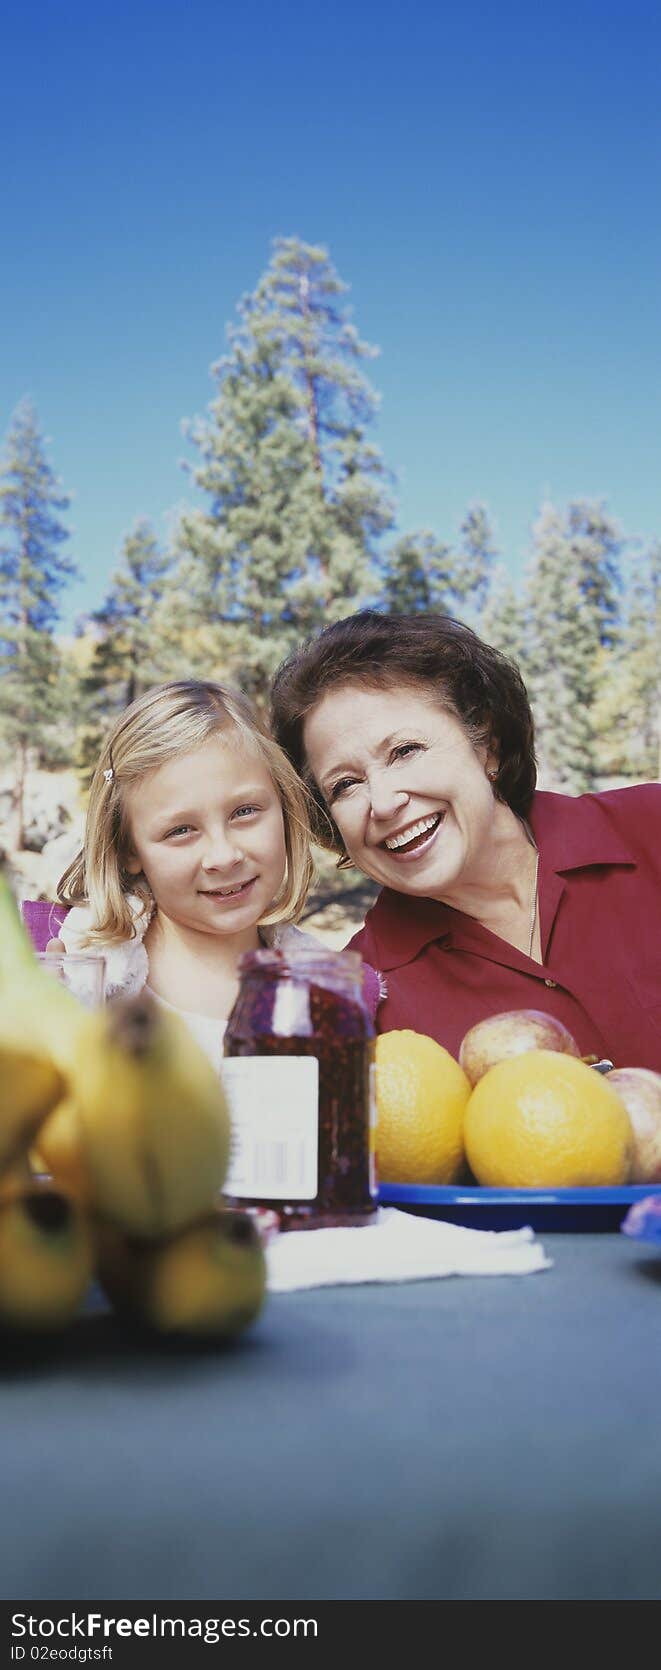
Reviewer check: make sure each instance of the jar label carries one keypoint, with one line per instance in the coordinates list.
(274, 1108)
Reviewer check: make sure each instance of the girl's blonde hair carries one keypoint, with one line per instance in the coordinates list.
(169, 720)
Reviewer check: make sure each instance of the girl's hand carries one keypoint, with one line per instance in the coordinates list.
(56, 945)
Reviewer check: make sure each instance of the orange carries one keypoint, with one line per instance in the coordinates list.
(421, 1095)
(545, 1120)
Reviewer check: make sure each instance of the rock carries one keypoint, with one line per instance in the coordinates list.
(58, 854)
(51, 803)
(45, 824)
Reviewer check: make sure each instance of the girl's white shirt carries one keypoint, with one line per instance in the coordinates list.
(127, 965)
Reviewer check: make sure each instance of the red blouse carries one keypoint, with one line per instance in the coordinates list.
(600, 916)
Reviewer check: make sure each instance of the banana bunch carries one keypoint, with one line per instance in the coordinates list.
(208, 1280)
(126, 1116)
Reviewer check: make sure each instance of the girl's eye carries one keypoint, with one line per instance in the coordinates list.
(181, 829)
(244, 811)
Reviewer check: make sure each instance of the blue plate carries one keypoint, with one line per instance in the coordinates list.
(569, 1209)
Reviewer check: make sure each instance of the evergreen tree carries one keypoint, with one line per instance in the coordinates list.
(503, 621)
(418, 574)
(596, 546)
(297, 492)
(563, 642)
(33, 571)
(421, 572)
(573, 620)
(475, 558)
(628, 706)
(133, 646)
(643, 657)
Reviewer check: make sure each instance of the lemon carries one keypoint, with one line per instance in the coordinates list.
(421, 1094)
(545, 1120)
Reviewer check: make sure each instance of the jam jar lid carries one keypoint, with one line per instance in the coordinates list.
(340, 972)
(306, 961)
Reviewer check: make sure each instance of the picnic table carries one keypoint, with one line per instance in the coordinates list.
(466, 1438)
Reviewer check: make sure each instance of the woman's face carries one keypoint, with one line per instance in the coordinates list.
(405, 786)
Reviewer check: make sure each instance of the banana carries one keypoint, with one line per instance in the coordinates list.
(37, 1013)
(60, 1152)
(207, 1282)
(30, 1085)
(46, 1259)
(153, 1118)
(34, 1011)
(15, 1179)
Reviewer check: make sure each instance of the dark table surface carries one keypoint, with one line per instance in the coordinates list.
(471, 1438)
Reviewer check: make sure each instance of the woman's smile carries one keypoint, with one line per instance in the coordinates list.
(405, 786)
(415, 838)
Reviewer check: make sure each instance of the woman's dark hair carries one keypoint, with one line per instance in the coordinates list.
(470, 679)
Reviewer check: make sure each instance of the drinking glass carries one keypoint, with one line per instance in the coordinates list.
(82, 971)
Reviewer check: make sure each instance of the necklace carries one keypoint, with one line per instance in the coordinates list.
(533, 901)
(533, 906)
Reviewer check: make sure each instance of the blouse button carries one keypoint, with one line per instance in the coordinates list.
(552, 983)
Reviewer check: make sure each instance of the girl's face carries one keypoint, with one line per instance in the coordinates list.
(405, 786)
(208, 833)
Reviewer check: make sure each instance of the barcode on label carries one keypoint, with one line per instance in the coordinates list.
(279, 1165)
(275, 1126)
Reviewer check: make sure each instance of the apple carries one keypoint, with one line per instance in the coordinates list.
(499, 1036)
(640, 1090)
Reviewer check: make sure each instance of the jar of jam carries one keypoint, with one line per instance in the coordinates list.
(298, 1072)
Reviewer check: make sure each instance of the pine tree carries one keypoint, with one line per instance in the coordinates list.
(643, 657)
(596, 545)
(418, 574)
(561, 658)
(33, 571)
(298, 498)
(422, 572)
(503, 619)
(133, 647)
(628, 707)
(476, 555)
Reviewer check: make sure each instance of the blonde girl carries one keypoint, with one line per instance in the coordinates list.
(196, 850)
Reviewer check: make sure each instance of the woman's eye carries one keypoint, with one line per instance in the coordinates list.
(180, 829)
(244, 811)
(405, 748)
(340, 788)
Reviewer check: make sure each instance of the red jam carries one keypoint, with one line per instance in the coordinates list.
(303, 1136)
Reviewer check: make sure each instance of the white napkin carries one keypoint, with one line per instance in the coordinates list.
(398, 1247)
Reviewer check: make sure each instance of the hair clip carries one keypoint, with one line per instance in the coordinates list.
(108, 775)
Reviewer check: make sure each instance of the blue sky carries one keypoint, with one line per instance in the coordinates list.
(486, 178)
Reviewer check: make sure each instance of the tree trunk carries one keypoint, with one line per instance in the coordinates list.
(17, 825)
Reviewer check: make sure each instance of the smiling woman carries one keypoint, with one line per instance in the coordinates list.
(416, 740)
(413, 803)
